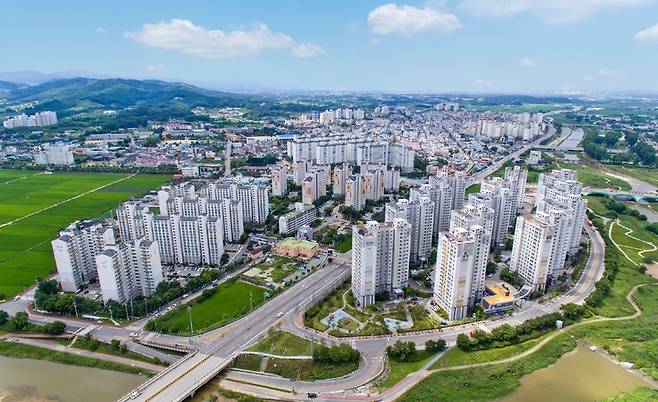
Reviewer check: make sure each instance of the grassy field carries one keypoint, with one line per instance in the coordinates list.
(284, 344)
(596, 178)
(21, 351)
(486, 383)
(400, 370)
(26, 252)
(475, 188)
(649, 175)
(642, 394)
(345, 245)
(230, 301)
(295, 369)
(458, 357)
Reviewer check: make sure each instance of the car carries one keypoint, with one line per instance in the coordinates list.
(134, 334)
(17, 298)
(185, 295)
(280, 314)
(312, 395)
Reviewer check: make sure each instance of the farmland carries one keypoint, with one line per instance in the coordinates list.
(34, 206)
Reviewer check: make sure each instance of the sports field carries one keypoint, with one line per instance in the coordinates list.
(34, 206)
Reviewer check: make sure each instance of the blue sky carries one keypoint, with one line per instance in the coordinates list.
(548, 46)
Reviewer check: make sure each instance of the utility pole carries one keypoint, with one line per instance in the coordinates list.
(146, 307)
(126, 306)
(75, 307)
(189, 314)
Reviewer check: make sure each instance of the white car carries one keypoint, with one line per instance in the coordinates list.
(280, 314)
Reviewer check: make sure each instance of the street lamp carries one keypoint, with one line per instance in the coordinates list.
(189, 314)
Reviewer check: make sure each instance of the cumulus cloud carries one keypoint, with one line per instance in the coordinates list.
(552, 11)
(307, 50)
(100, 29)
(185, 36)
(391, 19)
(528, 62)
(649, 35)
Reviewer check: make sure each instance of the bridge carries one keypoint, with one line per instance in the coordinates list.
(622, 195)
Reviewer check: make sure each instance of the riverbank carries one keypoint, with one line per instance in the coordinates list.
(23, 350)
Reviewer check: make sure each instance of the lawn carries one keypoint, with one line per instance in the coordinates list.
(284, 344)
(22, 351)
(230, 301)
(642, 394)
(596, 178)
(399, 370)
(26, 252)
(308, 370)
(344, 245)
(649, 175)
(486, 383)
(88, 343)
(475, 188)
(457, 357)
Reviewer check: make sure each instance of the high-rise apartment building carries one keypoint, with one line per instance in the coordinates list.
(517, 179)
(302, 215)
(380, 259)
(75, 251)
(128, 270)
(420, 215)
(539, 249)
(559, 190)
(279, 180)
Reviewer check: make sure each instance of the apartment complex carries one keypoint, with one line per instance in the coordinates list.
(129, 270)
(420, 215)
(338, 148)
(58, 154)
(446, 191)
(380, 259)
(75, 251)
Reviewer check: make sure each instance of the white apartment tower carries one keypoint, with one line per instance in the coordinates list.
(128, 270)
(539, 250)
(517, 179)
(460, 255)
(380, 259)
(420, 215)
(559, 190)
(75, 251)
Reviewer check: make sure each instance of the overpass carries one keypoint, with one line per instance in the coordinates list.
(558, 148)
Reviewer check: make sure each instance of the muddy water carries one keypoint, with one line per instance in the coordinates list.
(580, 376)
(40, 381)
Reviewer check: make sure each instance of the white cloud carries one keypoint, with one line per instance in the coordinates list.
(552, 11)
(528, 62)
(610, 73)
(153, 68)
(100, 29)
(307, 50)
(391, 19)
(483, 83)
(184, 36)
(649, 35)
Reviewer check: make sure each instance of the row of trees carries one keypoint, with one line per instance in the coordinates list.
(597, 147)
(402, 351)
(48, 297)
(506, 334)
(19, 323)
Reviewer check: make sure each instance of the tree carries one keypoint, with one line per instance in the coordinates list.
(224, 259)
(402, 351)
(18, 322)
(54, 328)
(3, 317)
(436, 346)
(504, 333)
(464, 342)
(572, 311)
(492, 267)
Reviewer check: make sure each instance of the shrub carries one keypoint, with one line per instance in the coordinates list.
(402, 351)
(436, 346)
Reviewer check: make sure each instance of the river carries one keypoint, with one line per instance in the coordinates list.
(579, 376)
(28, 380)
